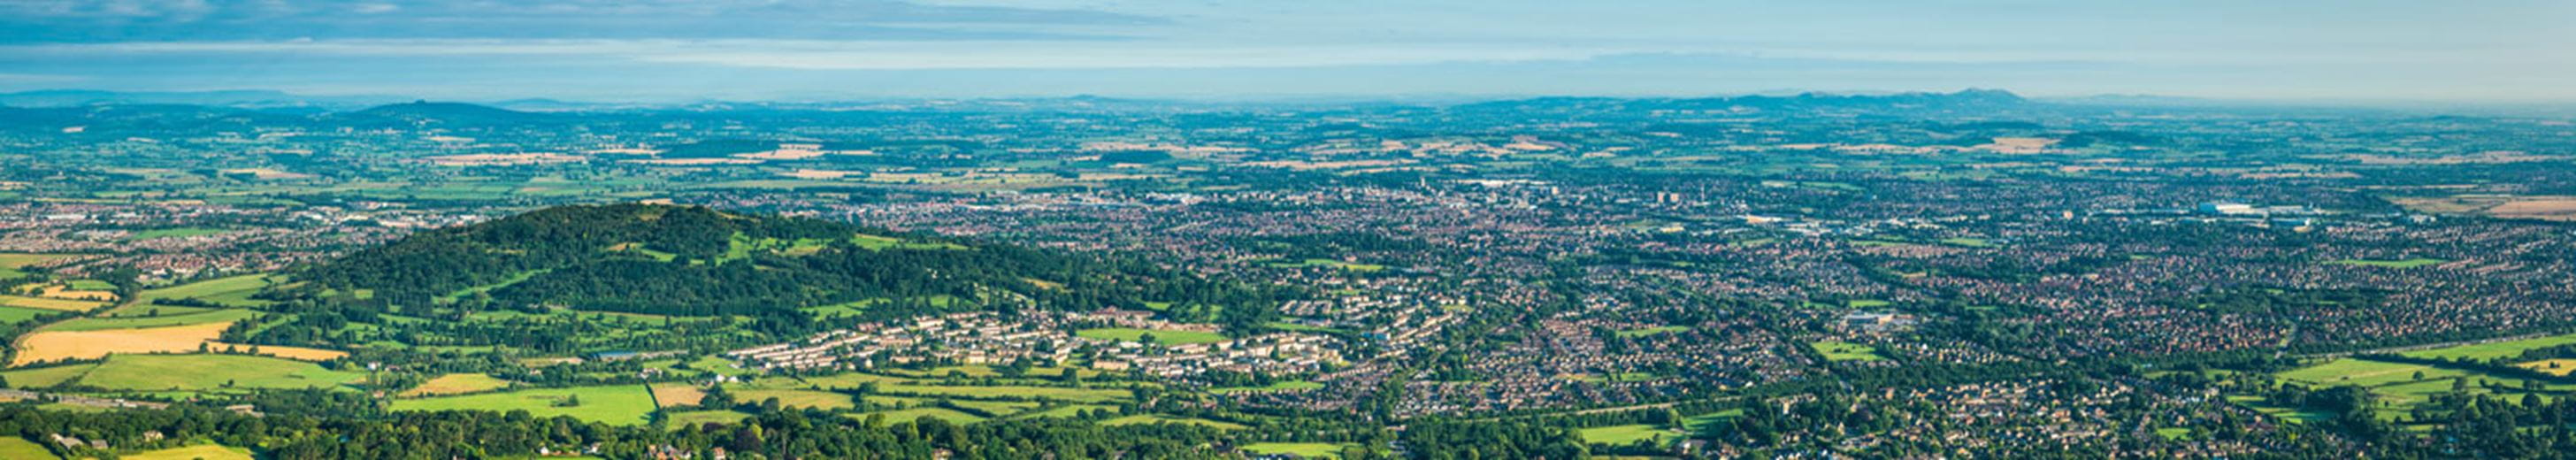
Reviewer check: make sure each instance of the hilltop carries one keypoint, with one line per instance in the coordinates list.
(695, 261)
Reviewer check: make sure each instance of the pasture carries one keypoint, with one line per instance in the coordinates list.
(46, 376)
(20, 448)
(229, 291)
(701, 417)
(1160, 419)
(196, 452)
(1163, 336)
(207, 372)
(1292, 385)
(226, 316)
(281, 351)
(610, 404)
(85, 344)
(15, 315)
(677, 394)
(797, 398)
(2487, 351)
(179, 232)
(907, 415)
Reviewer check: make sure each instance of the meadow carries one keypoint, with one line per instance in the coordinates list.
(2487, 351)
(1620, 435)
(230, 291)
(2400, 263)
(610, 404)
(196, 452)
(1836, 350)
(211, 371)
(1300, 449)
(21, 448)
(452, 384)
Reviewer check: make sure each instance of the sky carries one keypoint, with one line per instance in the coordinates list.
(676, 50)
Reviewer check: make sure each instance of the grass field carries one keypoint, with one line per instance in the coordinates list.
(1068, 410)
(230, 290)
(42, 303)
(1301, 449)
(225, 316)
(2487, 351)
(1621, 435)
(1167, 337)
(2405, 263)
(46, 376)
(996, 408)
(204, 372)
(14, 315)
(55, 345)
(281, 351)
(1159, 418)
(456, 384)
(12, 262)
(21, 448)
(797, 398)
(1836, 350)
(1357, 267)
(611, 404)
(2361, 372)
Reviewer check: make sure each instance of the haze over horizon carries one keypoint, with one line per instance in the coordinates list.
(2304, 50)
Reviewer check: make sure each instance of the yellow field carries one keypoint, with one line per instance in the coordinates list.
(456, 384)
(54, 345)
(66, 292)
(677, 394)
(2558, 367)
(199, 452)
(281, 351)
(49, 304)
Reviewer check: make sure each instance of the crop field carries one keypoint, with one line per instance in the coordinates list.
(1835, 350)
(198, 452)
(2557, 367)
(701, 417)
(1300, 449)
(456, 384)
(797, 398)
(2486, 351)
(611, 404)
(677, 394)
(225, 316)
(1621, 435)
(49, 304)
(55, 345)
(207, 371)
(1171, 337)
(66, 291)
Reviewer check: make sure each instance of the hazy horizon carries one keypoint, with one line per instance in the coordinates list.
(2296, 51)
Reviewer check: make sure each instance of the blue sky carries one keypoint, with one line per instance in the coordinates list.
(2353, 50)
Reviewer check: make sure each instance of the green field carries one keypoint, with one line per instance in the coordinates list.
(2487, 351)
(1621, 435)
(1968, 242)
(2361, 372)
(230, 290)
(1167, 337)
(2406, 263)
(15, 315)
(1836, 350)
(95, 324)
(21, 448)
(206, 372)
(1357, 267)
(46, 376)
(1069, 410)
(44, 303)
(11, 262)
(612, 404)
(1301, 449)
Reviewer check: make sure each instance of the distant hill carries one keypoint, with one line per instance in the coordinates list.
(1972, 99)
(446, 112)
(678, 260)
(231, 98)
